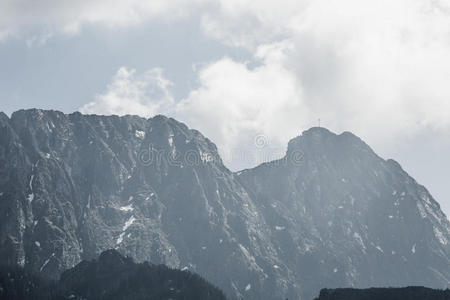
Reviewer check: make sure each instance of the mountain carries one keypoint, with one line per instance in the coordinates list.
(350, 218)
(408, 293)
(331, 213)
(112, 276)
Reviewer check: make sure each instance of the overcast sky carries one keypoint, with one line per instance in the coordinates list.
(240, 69)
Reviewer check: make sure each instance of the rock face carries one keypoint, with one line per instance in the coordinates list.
(331, 213)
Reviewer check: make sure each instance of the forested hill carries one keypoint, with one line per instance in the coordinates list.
(112, 276)
(407, 293)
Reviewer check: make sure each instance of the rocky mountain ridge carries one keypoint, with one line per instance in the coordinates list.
(330, 214)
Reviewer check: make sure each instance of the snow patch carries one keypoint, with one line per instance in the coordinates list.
(359, 239)
(37, 244)
(127, 208)
(120, 238)
(47, 155)
(413, 249)
(46, 262)
(127, 224)
(31, 182)
(21, 260)
(279, 228)
(379, 249)
(248, 287)
(139, 134)
(185, 269)
(276, 267)
(130, 199)
(30, 197)
(440, 236)
(421, 209)
(426, 199)
(250, 259)
(335, 270)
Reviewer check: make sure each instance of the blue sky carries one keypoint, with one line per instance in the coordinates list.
(237, 70)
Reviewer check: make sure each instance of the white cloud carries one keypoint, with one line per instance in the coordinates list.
(236, 103)
(27, 18)
(144, 94)
(250, 23)
(379, 68)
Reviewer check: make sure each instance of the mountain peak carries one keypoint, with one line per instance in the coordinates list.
(321, 140)
(318, 131)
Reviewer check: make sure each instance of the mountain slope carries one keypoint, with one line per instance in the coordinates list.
(72, 186)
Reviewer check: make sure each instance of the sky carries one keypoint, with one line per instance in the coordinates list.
(248, 74)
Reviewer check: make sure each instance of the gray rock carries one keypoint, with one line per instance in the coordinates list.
(331, 213)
